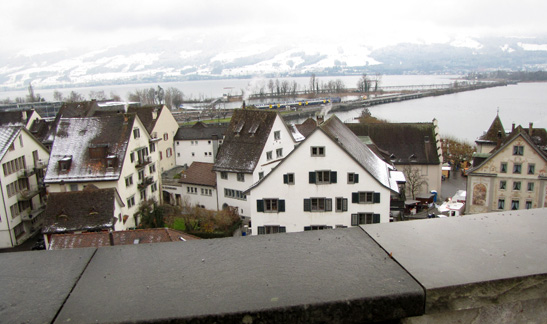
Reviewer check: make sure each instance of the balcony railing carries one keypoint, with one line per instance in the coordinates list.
(146, 182)
(30, 214)
(142, 162)
(25, 173)
(27, 194)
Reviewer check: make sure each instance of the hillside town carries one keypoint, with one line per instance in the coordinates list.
(104, 167)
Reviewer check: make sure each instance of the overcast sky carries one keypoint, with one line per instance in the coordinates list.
(44, 25)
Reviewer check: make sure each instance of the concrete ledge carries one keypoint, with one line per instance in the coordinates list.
(474, 261)
(306, 277)
(34, 285)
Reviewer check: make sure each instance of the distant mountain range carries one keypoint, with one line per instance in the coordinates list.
(179, 60)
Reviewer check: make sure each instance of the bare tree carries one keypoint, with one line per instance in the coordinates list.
(173, 98)
(363, 85)
(313, 83)
(97, 95)
(414, 180)
(75, 97)
(57, 96)
(271, 86)
(285, 87)
(115, 97)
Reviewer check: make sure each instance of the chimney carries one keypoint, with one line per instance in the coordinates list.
(530, 129)
(513, 127)
(24, 113)
(111, 237)
(154, 114)
(243, 105)
(320, 119)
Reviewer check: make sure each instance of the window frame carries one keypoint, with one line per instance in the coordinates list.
(503, 167)
(517, 185)
(518, 150)
(531, 168)
(277, 135)
(317, 151)
(501, 204)
(517, 168)
(503, 185)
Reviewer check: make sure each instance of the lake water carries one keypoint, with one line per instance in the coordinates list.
(464, 115)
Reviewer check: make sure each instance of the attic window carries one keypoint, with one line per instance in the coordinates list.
(239, 127)
(65, 162)
(111, 160)
(393, 158)
(426, 139)
(136, 241)
(412, 158)
(253, 129)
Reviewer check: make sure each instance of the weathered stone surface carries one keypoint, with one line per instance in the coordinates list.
(34, 285)
(321, 276)
(471, 261)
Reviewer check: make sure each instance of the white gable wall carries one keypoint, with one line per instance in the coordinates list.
(300, 163)
(190, 151)
(165, 128)
(9, 223)
(265, 165)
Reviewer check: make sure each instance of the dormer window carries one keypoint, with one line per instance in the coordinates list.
(426, 139)
(253, 129)
(393, 158)
(239, 127)
(412, 158)
(111, 161)
(64, 163)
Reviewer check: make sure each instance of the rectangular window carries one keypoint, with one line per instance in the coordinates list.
(322, 177)
(260, 175)
(317, 151)
(165, 136)
(503, 185)
(277, 135)
(152, 147)
(131, 201)
(152, 168)
(341, 204)
(531, 168)
(530, 186)
(288, 178)
(136, 133)
(514, 205)
(316, 227)
(528, 204)
(503, 167)
(224, 175)
(318, 204)
(143, 194)
(271, 229)
(501, 204)
(132, 157)
(206, 192)
(364, 218)
(270, 205)
(129, 181)
(353, 178)
(517, 168)
(279, 153)
(516, 185)
(518, 150)
(154, 187)
(74, 187)
(241, 177)
(236, 194)
(269, 155)
(14, 210)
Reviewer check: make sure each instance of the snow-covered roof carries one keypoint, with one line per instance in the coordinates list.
(7, 135)
(75, 137)
(348, 141)
(298, 137)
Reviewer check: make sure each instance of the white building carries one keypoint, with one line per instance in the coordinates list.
(254, 143)
(196, 187)
(162, 126)
(330, 180)
(198, 143)
(113, 151)
(23, 159)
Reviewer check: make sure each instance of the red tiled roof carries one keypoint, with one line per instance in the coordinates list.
(200, 173)
(100, 239)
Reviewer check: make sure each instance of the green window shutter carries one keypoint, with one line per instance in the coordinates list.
(345, 204)
(376, 197)
(328, 204)
(281, 205)
(333, 177)
(307, 205)
(260, 205)
(285, 178)
(354, 219)
(282, 229)
(261, 230)
(375, 218)
(356, 178)
(355, 197)
(312, 176)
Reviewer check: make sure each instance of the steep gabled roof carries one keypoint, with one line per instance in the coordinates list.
(495, 132)
(518, 132)
(101, 239)
(75, 137)
(40, 129)
(91, 209)
(349, 142)
(406, 143)
(15, 117)
(307, 127)
(7, 135)
(146, 115)
(244, 140)
(201, 131)
(199, 173)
